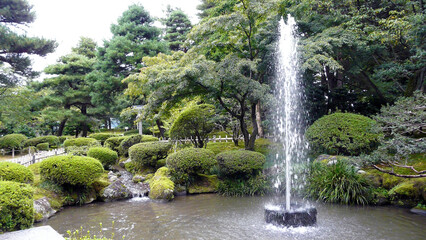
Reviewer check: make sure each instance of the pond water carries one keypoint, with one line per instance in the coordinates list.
(211, 216)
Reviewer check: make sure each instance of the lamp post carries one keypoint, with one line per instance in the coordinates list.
(139, 108)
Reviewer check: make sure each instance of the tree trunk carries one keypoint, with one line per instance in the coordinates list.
(252, 139)
(61, 127)
(160, 127)
(84, 126)
(259, 120)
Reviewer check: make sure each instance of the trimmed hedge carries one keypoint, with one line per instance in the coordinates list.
(63, 138)
(132, 140)
(107, 156)
(16, 206)
(71, 170)
(52, 140)
(240, 163)
(12, 141)
(131, 132)
(191, 161)
(343, 134)
(79, 142)
(43, 146)
(113, 143)
(148, 153)
(15, 172)
(102, 137)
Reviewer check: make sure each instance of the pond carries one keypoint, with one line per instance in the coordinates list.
(211, 216)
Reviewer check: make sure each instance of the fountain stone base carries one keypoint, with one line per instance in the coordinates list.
(297, 216)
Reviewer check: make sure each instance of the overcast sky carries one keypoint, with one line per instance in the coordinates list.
(66, 20)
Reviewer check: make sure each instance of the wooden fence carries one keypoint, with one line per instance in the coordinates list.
(29, 159)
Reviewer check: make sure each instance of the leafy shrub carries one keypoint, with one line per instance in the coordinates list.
(79, 142)
(131, 132)
(15, 172)
(43, 146)
(16, 206)
(113, 143)
(344, 134)
(191, 161)
(63, 138)
(12, 141)
(132, 140)
(102, 137)
(71, 170)
(240, 163)
(255, 185)
(107, 156)
(337, 183)
(148, 153)
(52, 140)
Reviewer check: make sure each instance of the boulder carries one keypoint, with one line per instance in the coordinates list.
(42, 209)
(161, 187)
(123, 187)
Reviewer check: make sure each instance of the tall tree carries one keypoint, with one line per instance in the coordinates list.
(15, 48)
(70, 89)
(177, 27)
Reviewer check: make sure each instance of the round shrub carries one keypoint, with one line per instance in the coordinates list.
(12, 141)
(71, 170)
(113, 143)
(52, 140)
(132, 140)
(15, 172)
(16, 206)
(102, 137)
(191, 160)
(148, 153)
(344, 134)
(43, 146)
(79, 142)
(240, 163)
(107, 156)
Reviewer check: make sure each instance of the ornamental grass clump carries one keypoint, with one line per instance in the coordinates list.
(149, 153)
(15, 172)
(107, 156)
(16, 206)
(343, 134)
(71, 170)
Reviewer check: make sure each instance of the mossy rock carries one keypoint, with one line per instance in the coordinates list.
(161, 187)
(100, 183)
(390, 181)
(409, 193)
(15, 172)
(204, 184)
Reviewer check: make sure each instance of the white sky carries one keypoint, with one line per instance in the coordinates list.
(66, 20)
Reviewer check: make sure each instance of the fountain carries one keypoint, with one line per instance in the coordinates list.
(289, 128)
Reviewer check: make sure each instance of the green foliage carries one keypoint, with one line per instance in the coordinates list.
(79, 142)
(177, 27)
(148, 153)
(409, 192)
(240, 163)
(53, 141)
(63, 138)
(71, 170)
(43, 146)
(343, 133)
(102, 137)
(107, 156)
(131, 132)
(161, 187)
(113, 143)
(132, 140)
(337, 183)
(12, 141)
(15, 172)
(191, 161)
(255, 185)
(16, 206)
(195, 123)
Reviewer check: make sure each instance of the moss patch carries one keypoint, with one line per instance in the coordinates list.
(161, 187)
(204, 184)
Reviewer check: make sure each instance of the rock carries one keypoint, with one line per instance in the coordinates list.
(42, 209)
(419, 211)
(123, 187)
(35, 233)
(204, 184)
(138, 178)
(361, 172)
(123, 163)
(161, 187)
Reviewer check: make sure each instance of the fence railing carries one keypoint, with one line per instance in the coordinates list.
(29, 159)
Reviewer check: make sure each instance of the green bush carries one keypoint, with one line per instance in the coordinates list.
(113, 143)
(191, 161)
(132, 140)
(63, 138)
(28, 150)
(107, 156)
(71, 170)
(240, 163)
(102, 137)
(337, 183)
(16, 206)
(148, 153)
(15, 172)
(131, 132)
(12, 141)
(344, 134)
(79, 142)
(52, 140)
(43, 146)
